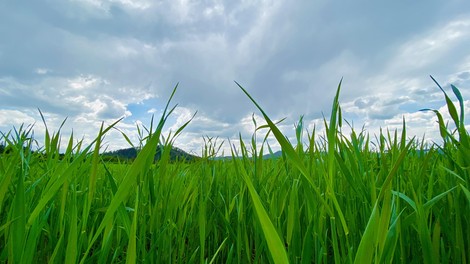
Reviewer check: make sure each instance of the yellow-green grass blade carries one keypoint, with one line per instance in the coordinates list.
(48, 194)
(332, 133)
(94, 169)
(202, 225)
(63, 202)
(450, 105)
(218, 251)
(47, 140)
(58, 250)
(356, 185)
(467, 192)
(461, 250)
(126, 137)
(371, 234)
(126, 185)
(72, 245)
(461, 104)
(275, 244)
(290, 152)
(429, 204)
(393, 171)
(334, 236)
(407, 199)
(18, 230)
(297, 161)
(299, 128)
(307, 247)
(391, 241)
(121, 210)
(366, 249)
(6, 180)
(69, 150)
(144, 158)
(292, 211)
(424, 235)
(384, 221)
(107, 243)
(34, 232)
(442, 127)
(131, 253)
(436, 239)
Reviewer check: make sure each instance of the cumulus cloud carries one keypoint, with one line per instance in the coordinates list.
(99, 60)
(14, 118)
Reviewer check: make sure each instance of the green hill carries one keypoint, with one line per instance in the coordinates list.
(131, 154)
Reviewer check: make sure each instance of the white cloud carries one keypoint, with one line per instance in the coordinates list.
(216, 10)
(136, 4)
(14, 118)
(85, 82)
(432, 47)
(98, 60)
(104, 6)
(42, 71)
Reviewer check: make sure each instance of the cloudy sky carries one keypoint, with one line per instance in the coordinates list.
(99, 60)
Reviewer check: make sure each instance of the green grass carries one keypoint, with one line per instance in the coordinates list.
(332, 198)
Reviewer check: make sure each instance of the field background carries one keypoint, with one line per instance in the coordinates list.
(335, 198)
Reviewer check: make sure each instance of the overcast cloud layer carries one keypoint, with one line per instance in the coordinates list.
(99, 60)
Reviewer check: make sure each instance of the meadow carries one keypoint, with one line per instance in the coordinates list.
(333, 198)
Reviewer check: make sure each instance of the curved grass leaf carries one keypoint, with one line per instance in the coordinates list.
(275, 244)
(290, 152)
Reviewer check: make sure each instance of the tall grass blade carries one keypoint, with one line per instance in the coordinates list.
(131, 254)
(290, 152)
(275, 244)
(18, 226)
(144, 157)
(72, 244)
(450, 105)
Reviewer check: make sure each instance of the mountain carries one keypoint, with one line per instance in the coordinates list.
(131, 153)
(275, 155)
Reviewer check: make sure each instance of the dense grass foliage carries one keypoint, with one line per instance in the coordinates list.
(333, 198)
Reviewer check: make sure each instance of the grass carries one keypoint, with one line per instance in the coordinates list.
(334, 198)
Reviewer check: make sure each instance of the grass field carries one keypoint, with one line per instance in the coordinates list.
(335, 198)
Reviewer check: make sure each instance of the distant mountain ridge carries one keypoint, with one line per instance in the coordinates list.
(175, 154)
(131, 154)
(276, 154)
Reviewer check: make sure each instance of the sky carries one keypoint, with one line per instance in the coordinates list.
(95, 61)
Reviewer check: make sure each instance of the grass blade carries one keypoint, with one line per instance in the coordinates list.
(275, 244)
(131, 256)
